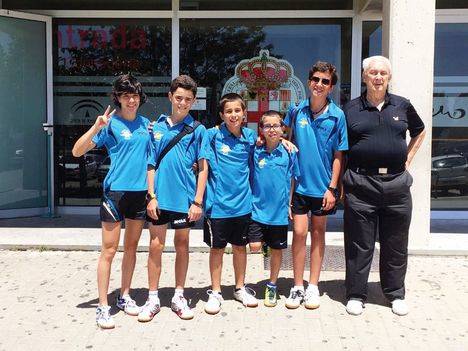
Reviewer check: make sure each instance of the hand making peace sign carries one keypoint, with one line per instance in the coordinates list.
(103, 120)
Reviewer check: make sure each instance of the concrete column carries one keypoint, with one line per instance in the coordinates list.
(408, 41)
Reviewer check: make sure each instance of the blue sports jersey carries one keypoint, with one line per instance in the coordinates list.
(175, 181)
(271, 184)
(228, 191)
(128, 146)
(317, 140)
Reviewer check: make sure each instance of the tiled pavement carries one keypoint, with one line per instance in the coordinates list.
(49, 298)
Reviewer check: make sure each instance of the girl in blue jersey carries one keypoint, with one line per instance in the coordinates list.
(125, 135)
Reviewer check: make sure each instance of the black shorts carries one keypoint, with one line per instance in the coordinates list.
(302, 204)
(176, 220)
(218, 232)
(275, 236)
(118, 205)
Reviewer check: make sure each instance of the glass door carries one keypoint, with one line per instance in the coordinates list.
(25, 105)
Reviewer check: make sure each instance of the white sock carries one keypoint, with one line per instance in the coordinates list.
(153, 295)
(299, 287)
(126, 297)
(178, 292)
(313, 288)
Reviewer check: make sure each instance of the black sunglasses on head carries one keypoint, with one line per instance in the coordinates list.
(325, 81)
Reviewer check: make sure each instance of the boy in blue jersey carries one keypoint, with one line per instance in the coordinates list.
(273, 174)
(126, 138)
(175, 194)
(228, 201)
(318, 129)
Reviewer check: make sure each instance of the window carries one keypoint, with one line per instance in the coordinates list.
(88, 55)
(210, 53)
(87, 4)
(450, 114)
(266, 4)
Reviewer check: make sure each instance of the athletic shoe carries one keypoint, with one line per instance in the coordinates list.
(180, 307)
(312, 298)
(354, 307)
(246, 295)
(149, 310)
(103, 318)
(213, 305)
(296, 296)
(399, 307)
(271, 298)
(128, 305)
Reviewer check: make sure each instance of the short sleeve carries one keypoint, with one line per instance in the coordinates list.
(206, 148)
(199, 138)
(415, 123)
(294, 169)
(101, 137)
(288, 116)
(151, 161)
(342, 134)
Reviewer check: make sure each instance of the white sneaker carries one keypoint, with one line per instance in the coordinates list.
(213, 305)
(104, 319)
(399, 307)
(149, 310)
(246, 295)
(354, 307)
(128, 305)
(312, 298)
(296, 296)
(180, 306)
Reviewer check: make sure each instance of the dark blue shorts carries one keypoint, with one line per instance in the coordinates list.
(176, 220)
(218, 232)
(118, 205)
(275, 236)
(302, 204)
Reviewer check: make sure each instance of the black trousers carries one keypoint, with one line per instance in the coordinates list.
(376, 205)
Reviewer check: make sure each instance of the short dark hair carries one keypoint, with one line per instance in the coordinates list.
(271, 113)
(324, 67)
(231, 97)
(127, 84)
(185, 82)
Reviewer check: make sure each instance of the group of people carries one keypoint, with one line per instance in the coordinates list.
(247, 187)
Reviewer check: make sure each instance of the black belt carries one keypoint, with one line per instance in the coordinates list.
(377, 171)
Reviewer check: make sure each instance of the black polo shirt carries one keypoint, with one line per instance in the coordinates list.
(378, 138)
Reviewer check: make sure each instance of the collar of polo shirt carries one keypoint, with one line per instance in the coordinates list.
(366, 106)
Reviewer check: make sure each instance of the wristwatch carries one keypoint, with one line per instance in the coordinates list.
(150, 196)
(334, 191)
(198, 204)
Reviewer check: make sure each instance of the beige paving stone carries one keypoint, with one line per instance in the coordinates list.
(49, 299)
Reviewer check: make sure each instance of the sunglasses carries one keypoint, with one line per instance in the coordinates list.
(325, 81)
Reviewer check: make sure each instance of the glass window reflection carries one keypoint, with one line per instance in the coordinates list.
(88, 55)
(210, 53)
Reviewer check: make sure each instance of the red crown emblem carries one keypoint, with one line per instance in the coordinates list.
(263, 72)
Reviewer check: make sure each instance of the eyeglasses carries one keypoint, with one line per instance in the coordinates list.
(271, 126)
(325, 81)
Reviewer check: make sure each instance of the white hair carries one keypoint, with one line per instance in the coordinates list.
(366, 63)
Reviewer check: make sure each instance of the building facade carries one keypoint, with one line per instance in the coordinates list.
(59, 59)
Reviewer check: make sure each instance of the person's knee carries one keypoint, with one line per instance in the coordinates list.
(156, 247)
(318, 234)
(130, 247)
(216, 252)
(255, 246)
(237, 249)
(108, 252)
